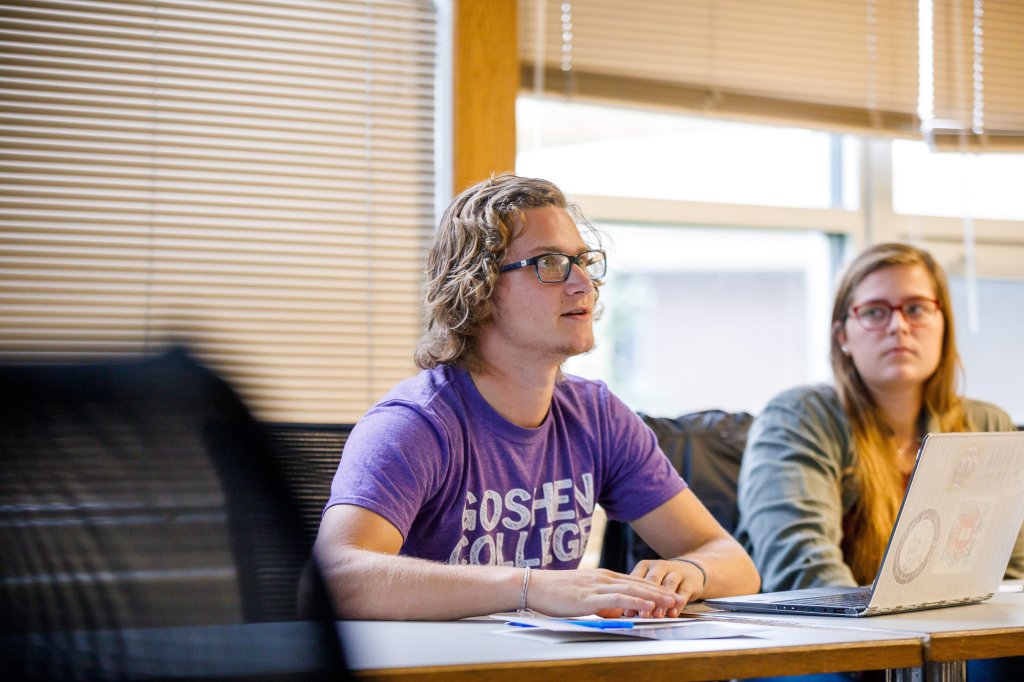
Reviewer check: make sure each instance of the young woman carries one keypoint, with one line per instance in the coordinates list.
(826, 467)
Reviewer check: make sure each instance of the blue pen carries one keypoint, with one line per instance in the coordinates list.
(601, 624)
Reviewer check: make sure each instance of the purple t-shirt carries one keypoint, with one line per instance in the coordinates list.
(464, 485)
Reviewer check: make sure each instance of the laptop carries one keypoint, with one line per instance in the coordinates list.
(951, 542)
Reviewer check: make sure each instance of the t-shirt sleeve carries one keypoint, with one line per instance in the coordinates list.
(640, 478)
(393, 462)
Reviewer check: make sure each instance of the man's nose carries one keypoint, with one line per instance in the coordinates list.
(578, 278)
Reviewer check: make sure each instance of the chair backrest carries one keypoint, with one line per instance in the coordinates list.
(706, 448)
(308, 455)
(135, 495)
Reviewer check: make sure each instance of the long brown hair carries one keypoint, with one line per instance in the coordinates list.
(879, 480)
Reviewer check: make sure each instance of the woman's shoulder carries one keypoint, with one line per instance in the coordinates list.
(804, 425)
(812, 410)
(986, 416)
(813, 398)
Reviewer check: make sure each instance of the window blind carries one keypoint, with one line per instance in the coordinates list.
(252, 178)
(831, 64)
(979, 75)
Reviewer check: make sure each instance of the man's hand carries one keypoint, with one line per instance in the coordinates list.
(588, 591)
(685, 581)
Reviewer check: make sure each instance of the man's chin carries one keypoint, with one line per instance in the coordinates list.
(578, 349)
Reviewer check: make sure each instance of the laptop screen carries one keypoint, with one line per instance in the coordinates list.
(959, 521)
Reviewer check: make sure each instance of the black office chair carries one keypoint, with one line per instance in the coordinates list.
(145, 530)
(706, 448)
(308, 454)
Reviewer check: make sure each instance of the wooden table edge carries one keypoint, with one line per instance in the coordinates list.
(972, 644)
(684, 666)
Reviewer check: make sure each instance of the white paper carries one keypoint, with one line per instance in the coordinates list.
(558, 630)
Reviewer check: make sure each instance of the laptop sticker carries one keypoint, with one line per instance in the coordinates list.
(916, 546)
(968, 524)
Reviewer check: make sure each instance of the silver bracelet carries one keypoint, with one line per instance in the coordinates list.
(700, 567)
(523, 610)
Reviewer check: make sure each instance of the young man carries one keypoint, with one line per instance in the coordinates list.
(465, 487)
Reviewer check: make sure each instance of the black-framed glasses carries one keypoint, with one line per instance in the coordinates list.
(875, 315)
(555, 267)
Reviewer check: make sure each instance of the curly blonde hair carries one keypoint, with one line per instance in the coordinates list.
(468, 248)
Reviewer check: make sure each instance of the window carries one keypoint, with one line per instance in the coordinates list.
(698, 318)
(618, 151)
(701, 314)
(720, 284)
(949, 184)
(878, 70)
(253, 178)
(990, 334)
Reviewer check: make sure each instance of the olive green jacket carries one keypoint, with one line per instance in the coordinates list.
(796, 485)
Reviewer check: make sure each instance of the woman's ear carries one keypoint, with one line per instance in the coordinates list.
(839, 333)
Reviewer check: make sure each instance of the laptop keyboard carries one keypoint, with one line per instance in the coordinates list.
(841, 599)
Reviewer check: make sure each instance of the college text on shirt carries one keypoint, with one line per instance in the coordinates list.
(497, 528)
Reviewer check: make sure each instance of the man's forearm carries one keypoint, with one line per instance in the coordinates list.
(371, 585)
(377, 585)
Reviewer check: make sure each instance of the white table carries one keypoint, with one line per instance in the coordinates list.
(949, 637)
(474, 649)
